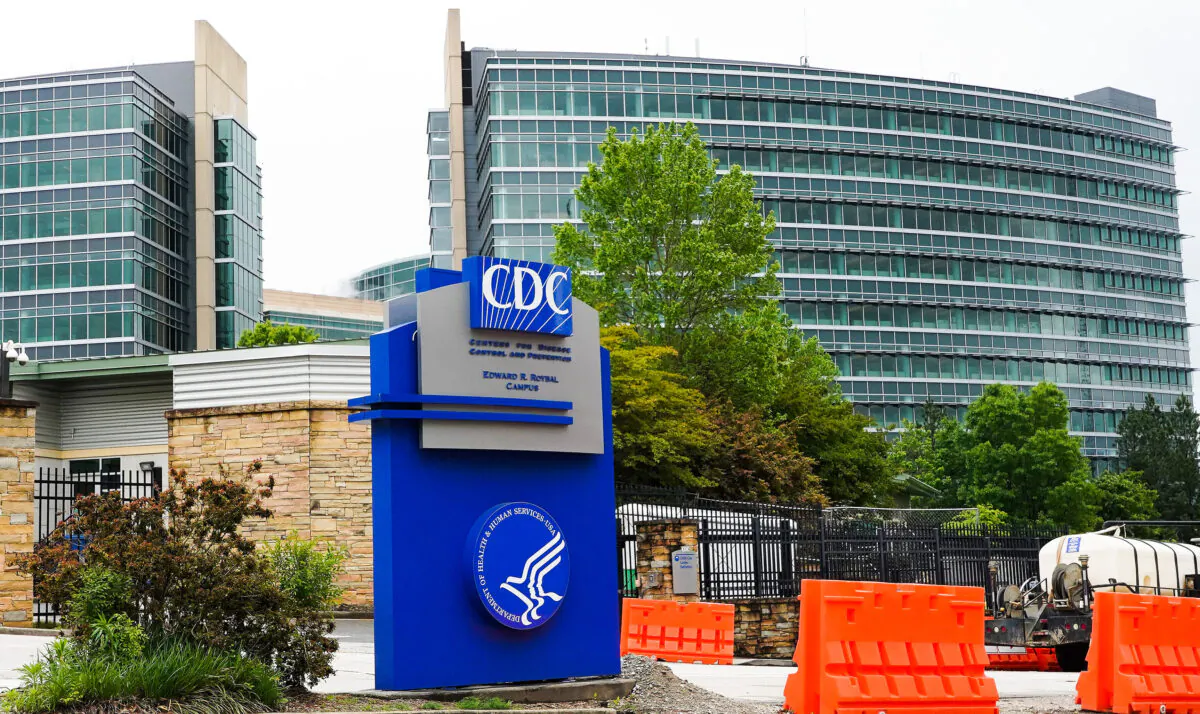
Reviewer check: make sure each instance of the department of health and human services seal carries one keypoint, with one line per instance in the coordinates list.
(519, 564)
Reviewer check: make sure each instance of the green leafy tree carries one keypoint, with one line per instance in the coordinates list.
(662, 433)
(266, 334)
(1124, 496)
(1013, 453)
(668, 245)
(756, 459)
(1163, 446)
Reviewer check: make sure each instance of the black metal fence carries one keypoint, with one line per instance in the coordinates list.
(54, 494)
(753, 550)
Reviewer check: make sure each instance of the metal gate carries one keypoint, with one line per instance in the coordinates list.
(54, 494)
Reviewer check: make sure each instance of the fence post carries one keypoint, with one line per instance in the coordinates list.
(756, 554)
(883, 568)
(940, 578)
(824, 569)
(704, 538)
(787, 577)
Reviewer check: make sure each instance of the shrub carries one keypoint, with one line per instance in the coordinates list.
(101, 593)
(209, 681)
(115, 639)
(192, 572)
(308, 574)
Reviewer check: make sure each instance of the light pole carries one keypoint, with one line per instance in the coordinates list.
(13, 352)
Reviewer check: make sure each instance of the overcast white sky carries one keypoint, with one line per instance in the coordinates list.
(339, 91)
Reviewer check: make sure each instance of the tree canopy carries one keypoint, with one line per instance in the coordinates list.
(1163, 446)
(712, 387)
(266, 334)
(668, 244)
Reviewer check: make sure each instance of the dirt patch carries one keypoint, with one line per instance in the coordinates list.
(659, 691)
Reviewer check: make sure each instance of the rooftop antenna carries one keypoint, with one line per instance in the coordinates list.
(804, 62)
(668, 50)
(646, 45)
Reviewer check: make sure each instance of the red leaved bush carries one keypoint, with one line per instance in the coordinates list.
(194, 575)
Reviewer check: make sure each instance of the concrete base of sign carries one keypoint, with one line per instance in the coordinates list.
(601, 689)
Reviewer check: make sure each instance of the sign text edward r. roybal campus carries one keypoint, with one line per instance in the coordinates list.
(492, 417)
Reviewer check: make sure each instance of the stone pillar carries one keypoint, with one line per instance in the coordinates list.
(17, 534)
(656, 540)
(766, 628)
(321, 464)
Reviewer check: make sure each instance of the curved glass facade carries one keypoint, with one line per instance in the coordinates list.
(936, 237)
(390, 280)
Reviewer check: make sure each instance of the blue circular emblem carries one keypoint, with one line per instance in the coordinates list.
(519, 563)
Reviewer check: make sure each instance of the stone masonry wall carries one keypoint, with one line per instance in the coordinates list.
(320, 461)
(16, 510)
(656, 540)
(766, 628)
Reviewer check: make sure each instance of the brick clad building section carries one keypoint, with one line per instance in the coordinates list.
(16, 510)
(320, 461)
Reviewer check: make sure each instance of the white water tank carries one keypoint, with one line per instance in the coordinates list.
(1123, 564)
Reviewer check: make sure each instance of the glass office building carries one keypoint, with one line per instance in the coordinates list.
(390, 280)
(332, 318)
(935, 237)
(105, 246)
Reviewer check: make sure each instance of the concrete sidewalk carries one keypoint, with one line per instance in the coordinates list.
(765, 684)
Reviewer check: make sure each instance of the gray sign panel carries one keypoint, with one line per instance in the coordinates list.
(457, 360)
(685, 572)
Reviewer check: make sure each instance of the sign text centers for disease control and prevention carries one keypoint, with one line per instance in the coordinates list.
(508, 350)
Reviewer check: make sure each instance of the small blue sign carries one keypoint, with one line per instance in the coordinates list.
(1073, 544)
(519, 295)
(519, 564)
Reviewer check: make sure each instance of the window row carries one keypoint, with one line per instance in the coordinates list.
(800, 162)
(939, 244)
(983, 271)
(811, 85)
(651, 105)
(234, 145)
(768, 135)
(238, 193)
(938, 219)
(982, 295)
(989, 345)
(861, 390)
(127, 115)
(49, 224)
(999, 369)
(94, 170)
(239, 288)
(925, 195)
(983, 320)
(237, 239)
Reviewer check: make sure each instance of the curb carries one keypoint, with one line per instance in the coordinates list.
(31, 631)
(587, 690)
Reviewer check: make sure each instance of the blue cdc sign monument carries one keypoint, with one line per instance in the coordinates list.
(495, 535)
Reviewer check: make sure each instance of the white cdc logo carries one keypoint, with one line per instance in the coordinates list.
(519, 295)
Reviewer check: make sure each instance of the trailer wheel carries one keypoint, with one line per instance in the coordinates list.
(1072, 657)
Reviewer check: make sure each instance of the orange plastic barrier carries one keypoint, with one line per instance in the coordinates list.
(677, 632)
(1144, 656)
(1033, 659)
(871, 647)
